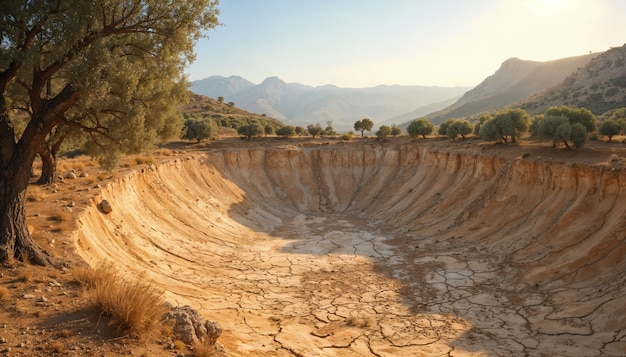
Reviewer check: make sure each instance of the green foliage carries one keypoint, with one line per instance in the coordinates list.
(347, 136)
(456, 127)
(363, 125)
(298, 130)
(420, 127)
(383, 132)
(504, 125)
(329, 131)
(396, 130)
(443, 128)
(575, 115)
(253, 129)
(610, 128)
(286, 131)
(559, 129)
(269, 129)
(199, 129)
(578, 135)
(315, 130)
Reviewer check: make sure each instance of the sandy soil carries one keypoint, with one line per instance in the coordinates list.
(400, 248)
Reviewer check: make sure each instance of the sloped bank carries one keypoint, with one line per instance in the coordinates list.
(378, 250)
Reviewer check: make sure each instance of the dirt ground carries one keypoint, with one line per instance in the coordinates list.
(314, 273)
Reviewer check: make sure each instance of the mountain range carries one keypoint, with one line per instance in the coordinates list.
(596, 81)
(298, 104)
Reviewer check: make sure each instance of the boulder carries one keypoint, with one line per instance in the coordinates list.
(105, 206)
(190, 327)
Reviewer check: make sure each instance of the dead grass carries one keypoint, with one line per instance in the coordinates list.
(35, 194)
(135, 307)
(357, 320)
(61, 217)
(200, 349)
(144, 160)
(4, 293)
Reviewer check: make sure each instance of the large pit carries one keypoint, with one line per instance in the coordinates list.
(378, 250)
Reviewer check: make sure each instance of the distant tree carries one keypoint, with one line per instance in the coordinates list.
(457, 127)
(575, 115)
(315, 130)
(442, 129)
(395, 130)
(298, 130)
(505, 125)
(231, 104)
(253, 129)
(556, 128)
(363, 125)
(269, 130)
(199, 129)
(383, 132)
(610, 128)
(578, 135)
(220, 99)
(420, 127)
(286, 131)
(329, 131)
(481, 120)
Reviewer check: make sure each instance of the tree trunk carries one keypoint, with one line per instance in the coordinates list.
(15, 240)
(16, 161)
(49, 161)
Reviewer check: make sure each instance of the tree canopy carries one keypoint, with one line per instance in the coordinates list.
(363, 125)
(420, 127)
(113, 70)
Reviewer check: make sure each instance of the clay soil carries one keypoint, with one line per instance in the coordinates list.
(350, 276)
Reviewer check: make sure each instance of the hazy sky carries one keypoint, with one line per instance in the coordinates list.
(363, 43)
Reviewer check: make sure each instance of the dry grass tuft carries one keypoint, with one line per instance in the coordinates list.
(61, 217)
(144, 160)
(25, 276)
(135, 307)
(35, 194)
(4, 293)
(164, 152)
(359, 321)
(201, 349)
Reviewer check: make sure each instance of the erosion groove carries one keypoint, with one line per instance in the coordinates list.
(387, 250)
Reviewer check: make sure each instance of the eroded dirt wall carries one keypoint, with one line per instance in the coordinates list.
(551, 237)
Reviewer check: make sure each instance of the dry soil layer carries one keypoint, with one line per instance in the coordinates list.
(380, 250)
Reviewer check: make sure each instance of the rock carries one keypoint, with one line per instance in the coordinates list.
(28, 296)
(83, 174)
(42, 299)
(71, 204)
(615, 157)
(105, 206)
(190, 327)
(70, 175)
(67, 209)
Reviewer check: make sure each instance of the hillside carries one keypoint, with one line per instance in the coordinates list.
(515, 80)
(200, 106)
(299, 104)
(599, 86)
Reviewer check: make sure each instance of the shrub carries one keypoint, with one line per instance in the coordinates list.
(135, 307)
(347, 137)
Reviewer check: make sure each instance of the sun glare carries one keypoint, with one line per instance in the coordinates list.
(550, 7)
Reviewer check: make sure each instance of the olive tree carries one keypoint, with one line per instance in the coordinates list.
(112, 70)
(504, 125)
(420, 127)
(559, 129)
(610, 128)
(286, 131)
(457, 127)
(363, 125)
(383, 132)
(575, 115)
(199, 129)
(250, 130)
(315, 130)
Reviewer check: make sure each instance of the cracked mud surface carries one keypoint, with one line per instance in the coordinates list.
(381, 251)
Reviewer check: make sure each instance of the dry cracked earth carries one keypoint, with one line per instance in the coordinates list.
(378, 249)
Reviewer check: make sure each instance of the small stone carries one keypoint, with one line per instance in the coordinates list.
(71, 204)
(105, 206)
(3, 340)
(67, 209)
(70, 175)
(83, 174)
(28, 296)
